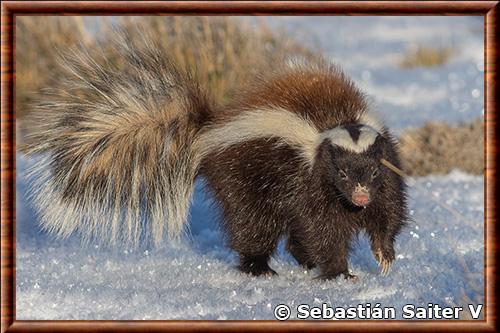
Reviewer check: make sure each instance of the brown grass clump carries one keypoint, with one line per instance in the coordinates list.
(438, 148)
(37, 64)
(426, 56)
(223, 51)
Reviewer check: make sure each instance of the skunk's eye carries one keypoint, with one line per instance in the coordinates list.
(375, 173)
(343, 175)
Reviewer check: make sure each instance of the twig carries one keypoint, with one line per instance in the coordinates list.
(413, 183)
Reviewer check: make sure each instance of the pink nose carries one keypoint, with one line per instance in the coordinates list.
(361, 199)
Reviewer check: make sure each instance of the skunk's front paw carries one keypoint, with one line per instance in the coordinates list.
(385, 259)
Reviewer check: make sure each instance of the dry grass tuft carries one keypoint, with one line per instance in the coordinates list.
(38, 41)
(426, 56)
(438, 148)
(224, 51)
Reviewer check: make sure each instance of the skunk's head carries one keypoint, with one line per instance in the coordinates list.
(348, 159)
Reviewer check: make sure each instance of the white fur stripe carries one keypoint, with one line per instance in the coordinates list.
(266, 123)
(340, 136)
(287, 126)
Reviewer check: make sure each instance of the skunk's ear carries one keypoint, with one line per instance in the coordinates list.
(328, 151)
(324, 151)
(379, 147)
(325, 156)
(325, 162)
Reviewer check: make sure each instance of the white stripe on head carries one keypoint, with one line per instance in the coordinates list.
(341, 137)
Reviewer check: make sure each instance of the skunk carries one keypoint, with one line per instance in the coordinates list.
(295, 154)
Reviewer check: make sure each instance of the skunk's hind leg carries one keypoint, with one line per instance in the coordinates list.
(256, 265)
(299, 252)
(254, 238)
(255, 246)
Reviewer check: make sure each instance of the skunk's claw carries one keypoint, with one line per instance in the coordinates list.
(386, 266)
(384, 263)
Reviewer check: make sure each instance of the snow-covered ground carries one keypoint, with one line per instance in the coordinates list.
(440, 257)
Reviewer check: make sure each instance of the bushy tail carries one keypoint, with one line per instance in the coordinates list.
(117, 159)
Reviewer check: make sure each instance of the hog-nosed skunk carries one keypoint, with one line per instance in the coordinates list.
(296, 154)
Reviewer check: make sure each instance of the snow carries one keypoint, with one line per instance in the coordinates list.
(196, 278)
(440, 257)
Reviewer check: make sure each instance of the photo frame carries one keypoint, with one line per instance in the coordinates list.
(11, 9)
